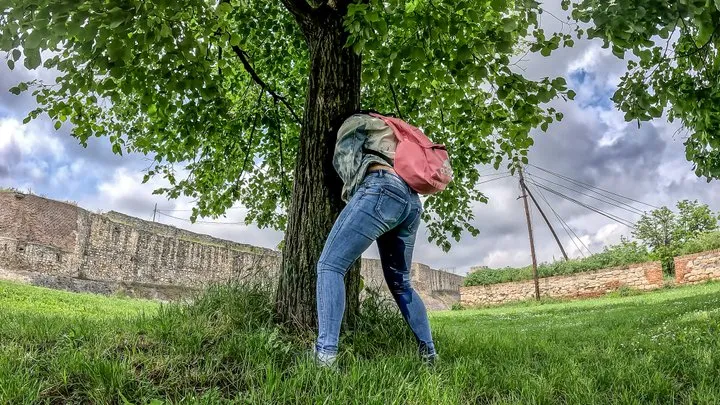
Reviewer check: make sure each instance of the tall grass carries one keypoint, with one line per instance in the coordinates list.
(660, 347)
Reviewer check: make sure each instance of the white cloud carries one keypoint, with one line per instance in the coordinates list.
(28, 140)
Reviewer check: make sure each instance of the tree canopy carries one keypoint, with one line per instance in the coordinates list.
(674, 67)
(662, 227)
(668, 233)
(214, 92)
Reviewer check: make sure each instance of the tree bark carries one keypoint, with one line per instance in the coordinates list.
(333, 92)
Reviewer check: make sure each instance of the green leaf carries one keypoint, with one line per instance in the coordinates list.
(117, 21)
(11, 64)
(498, 5)
(571, 94)
(165, 31)
(57, 125)
(559, 83)
(223, 9)
(704, 34)
(509, 25)
(32, 58)
(117, 149)
(16, 54)
(33, 40)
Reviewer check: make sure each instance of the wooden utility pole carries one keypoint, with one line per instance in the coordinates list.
(530, 234)
(154, 212)
(527, 190)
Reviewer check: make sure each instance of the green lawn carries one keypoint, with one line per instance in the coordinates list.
(659, 347)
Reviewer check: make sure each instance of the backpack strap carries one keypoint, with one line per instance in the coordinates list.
(378, 154)
(390, 121)
(335, 126)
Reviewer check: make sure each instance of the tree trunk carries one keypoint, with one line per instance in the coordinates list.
(333, 92)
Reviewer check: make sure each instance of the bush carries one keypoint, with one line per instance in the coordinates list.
(700, 243)
(622, 254)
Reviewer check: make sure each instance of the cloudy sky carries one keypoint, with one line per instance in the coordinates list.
(592, 144)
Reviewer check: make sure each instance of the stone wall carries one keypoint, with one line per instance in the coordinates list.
(697, 267)
(62, 240)
(438, 289)
(643, 276)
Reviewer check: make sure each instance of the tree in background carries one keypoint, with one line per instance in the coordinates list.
(235, 100)
(675, 68)
(657, 228)
(693, 219)
(665, 232)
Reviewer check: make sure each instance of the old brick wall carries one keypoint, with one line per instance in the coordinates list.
(642, 276)
(115, 247)
(43, 221)
(697, 267)
(438, 289)
(123, 248)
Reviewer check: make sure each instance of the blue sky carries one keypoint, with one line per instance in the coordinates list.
(593, 144)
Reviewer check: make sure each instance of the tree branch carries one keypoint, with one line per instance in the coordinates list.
(248, 67)
(699, 49)
(299, 8)
(248, 148)
(283, 180)
(397, 106)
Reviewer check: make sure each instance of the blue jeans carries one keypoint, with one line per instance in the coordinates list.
(386, 209)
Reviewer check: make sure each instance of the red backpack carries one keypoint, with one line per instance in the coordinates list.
(425, 166)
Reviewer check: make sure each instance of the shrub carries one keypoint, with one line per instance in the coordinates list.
(700, 243)
(622, 254)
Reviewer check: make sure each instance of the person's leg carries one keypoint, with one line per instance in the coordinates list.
(356, 228)
(396, 249)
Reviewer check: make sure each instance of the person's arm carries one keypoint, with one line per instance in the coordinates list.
(348, 147)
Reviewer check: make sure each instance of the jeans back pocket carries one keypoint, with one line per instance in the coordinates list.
(390, 207)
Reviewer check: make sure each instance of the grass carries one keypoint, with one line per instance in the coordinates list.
(659, 347)
(25, 300)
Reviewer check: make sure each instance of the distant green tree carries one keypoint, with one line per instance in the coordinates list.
(657, 228)
(693, 219)
(665, 232)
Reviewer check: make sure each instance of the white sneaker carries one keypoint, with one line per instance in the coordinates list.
(325, 360)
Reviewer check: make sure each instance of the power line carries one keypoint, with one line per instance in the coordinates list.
(566, 227)
(189, 210)
(544, 217)
(615, 218)
(200, 222)
(497, 178)
(562, 223)
(569, 179)
(632, 209)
